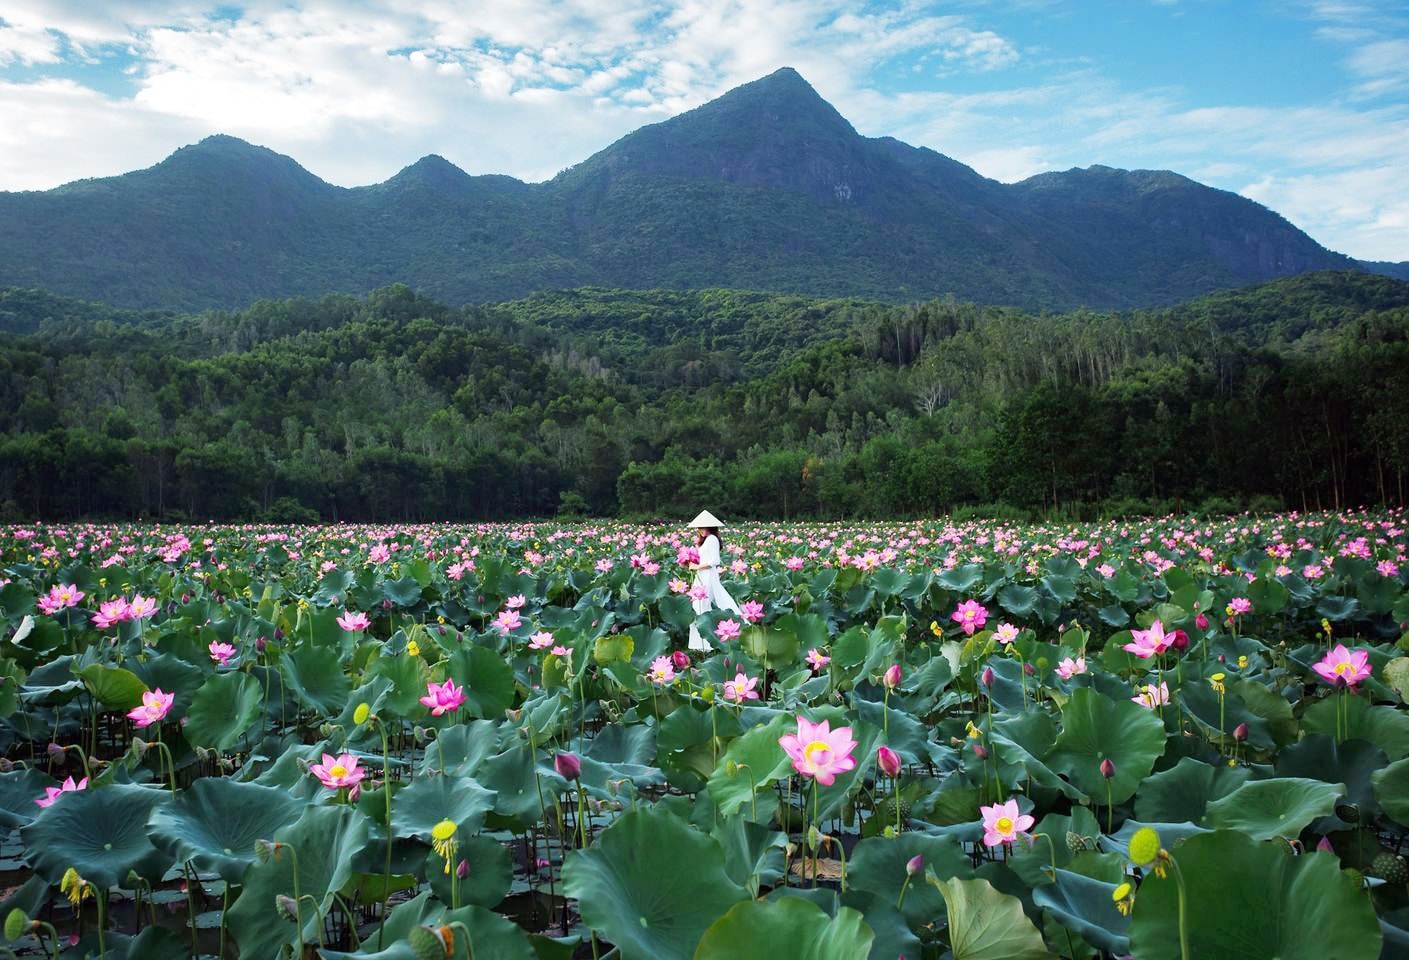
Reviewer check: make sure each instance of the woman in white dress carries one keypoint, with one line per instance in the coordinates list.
(708, 592)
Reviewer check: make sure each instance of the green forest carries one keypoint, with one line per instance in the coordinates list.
(1291, 394)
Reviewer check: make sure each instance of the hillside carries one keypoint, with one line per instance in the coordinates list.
(766, 188)
(395, 406)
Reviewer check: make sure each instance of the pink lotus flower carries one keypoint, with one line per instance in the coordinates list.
(819, 752)
(53, 793)
(1006, 633)
(727, 629)
(816, 659)
(971, 615)
(1148, 643)
(603, 565)
(1239, 606)
(662, 671)
(560, 651)
(794, 563)
(1343, 666)
(740, 688)
(353, 622)
(687, 555)
(679, 586)
(752, 611)
(111, 612)
(59, 597)
(1069, 668)
(443, 698)
(338, 772)
(516, 601)
(540, 640)
(1106, 570)
(699, 592)
(1003, 822)
(154, 708)
(1151, 696)
(141, 607)
(221, 652)
(507, 622)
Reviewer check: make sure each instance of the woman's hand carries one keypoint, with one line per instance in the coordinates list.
(692, 566)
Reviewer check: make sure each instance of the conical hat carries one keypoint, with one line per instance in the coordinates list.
(706, 519)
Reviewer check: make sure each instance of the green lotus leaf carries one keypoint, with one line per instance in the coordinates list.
(215, 822)
(315, 676)
(490, 873)
(987, 925)
(1386, 727)
(323, 840)
(652, 885)
(1250, 899)
(1183, 792)
(487, 678)
(223, 711)
(113, 687)
(877, 865)
(18, 790)
(756, 752)
(1352, 762)
(1097, 728)
(431, 799)
(1391, 786)
(787, 927)
(1282, 807)
(1084, 906)
(102, 832)
(523, 788)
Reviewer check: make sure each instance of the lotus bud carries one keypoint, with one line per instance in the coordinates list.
(260, 645)
(987, 677)
(568, 765)
(286, 906)
(1201, 621)
(1107, 768)
(1322, 846)
(462, 869)
(892, 676)
(1240, 732)
(680, 659)
(1222, 658)
(1029, 669)
(355, 793)
(889, 762)
(16, 923)
(914, 865)
(980, 751)
(432, 943)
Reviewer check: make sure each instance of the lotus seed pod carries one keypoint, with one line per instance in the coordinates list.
(432, 943)
(1075, 842)
(1347, 811)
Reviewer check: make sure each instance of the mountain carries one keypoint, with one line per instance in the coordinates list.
(767, 187)
(1400, 271)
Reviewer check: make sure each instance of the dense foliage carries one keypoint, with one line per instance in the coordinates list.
(397, 407)
(765, 188)
(1183, 738)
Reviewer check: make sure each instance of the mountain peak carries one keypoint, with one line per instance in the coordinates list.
(434, 171)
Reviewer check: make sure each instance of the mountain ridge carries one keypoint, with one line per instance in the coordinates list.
(767, 187)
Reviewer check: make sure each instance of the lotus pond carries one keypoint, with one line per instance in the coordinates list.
(1177, 738)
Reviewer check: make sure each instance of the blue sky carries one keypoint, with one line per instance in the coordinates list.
(1301, 104)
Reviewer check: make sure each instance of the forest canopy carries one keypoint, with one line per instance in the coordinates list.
(395, 407)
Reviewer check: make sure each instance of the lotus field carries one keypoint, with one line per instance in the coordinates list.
(1177, 738)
